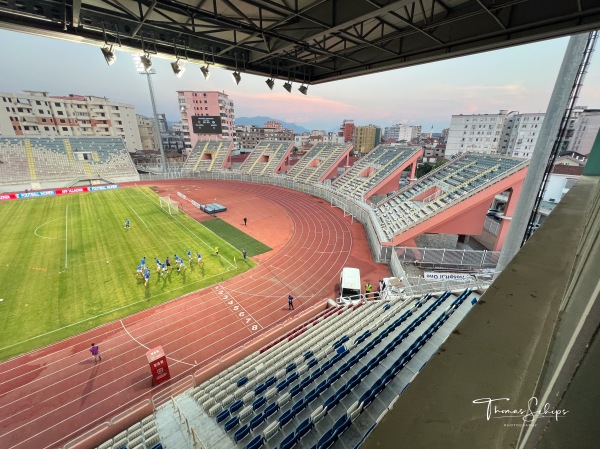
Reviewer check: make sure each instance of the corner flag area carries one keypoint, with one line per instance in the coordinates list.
(69, 263)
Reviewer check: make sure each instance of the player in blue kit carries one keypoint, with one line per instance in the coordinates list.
(143, 262)
(126, 223)
(189, 253)
(199, 258)
(140, 271)
(146, 277)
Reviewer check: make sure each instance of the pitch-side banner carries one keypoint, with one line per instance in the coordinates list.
(69, 191)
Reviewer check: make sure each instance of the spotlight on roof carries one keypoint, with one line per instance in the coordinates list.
(288, 86)
(237, 77)
(109, 55)
(205, 71)
(303, 89)
(146, 62)
(178, 68)
(270, 82)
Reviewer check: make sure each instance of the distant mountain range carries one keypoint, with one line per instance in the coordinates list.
(260, 122)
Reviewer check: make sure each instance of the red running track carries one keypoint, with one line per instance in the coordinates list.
(51, 395)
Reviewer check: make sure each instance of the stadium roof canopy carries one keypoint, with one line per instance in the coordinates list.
(312, 41)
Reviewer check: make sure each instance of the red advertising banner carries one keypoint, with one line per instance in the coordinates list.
(158, 365)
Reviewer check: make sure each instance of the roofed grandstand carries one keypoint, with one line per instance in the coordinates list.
(46, 162)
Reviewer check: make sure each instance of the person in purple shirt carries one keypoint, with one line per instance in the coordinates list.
(95, 350)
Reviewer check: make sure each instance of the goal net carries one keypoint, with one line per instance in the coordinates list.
(169, 205)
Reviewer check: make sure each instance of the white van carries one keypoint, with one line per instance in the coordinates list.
(350, 285)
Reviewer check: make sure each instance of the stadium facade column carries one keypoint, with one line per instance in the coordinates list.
(509, 212)
(559, 101)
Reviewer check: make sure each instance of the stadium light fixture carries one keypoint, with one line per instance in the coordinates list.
(146, 62)
(109, 55)
(270, 82)
(237, 77)
(178, 68)
(205, 71)
(303, 89)
(288, 86)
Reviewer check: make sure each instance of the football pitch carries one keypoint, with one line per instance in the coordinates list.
(68, 264)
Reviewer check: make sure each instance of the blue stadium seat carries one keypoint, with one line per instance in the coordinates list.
(311, 396)
(311, 363)
(290, 367)
(303, 428)
(322, 387)
(292, 377)
(259, 389)
(288, 442)
(299, 406)
(236, 406)
(271, 408)
(233, 422)
(330, 402)
(223, 416)
(157, 446)
(327, 439)
(242, 381)
(308, 355)
(270, 381)
(241, 433)
(305, 382)
(282, 385)
(258, 403)
(286, 417)
(296, 390)
(257, 421)
(256, 443)
(341, 425)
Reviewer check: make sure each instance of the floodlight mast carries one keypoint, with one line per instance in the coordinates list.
(149, 72)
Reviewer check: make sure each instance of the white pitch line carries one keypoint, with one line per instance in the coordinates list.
(132, 337)
(144, 346)
(66, 236)
(138, 215)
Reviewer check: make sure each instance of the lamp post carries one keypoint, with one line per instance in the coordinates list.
(142, 70)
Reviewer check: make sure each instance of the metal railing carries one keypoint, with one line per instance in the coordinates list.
(470, 259)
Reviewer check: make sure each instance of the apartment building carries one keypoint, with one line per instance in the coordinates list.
(366, 138)
(36, 113)
(248, 136)
(205, 116)
(477, 133)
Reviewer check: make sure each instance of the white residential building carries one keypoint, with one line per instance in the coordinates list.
(402, 133)
(39, 114)
(584, 131)
(523, 133)
(479, 133)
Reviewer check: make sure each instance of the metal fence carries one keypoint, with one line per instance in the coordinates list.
(491, 225)
(465, 259)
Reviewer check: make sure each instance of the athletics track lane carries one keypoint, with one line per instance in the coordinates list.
(49, 396)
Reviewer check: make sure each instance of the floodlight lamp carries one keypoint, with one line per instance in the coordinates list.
(178, 68)
(237, 77)
(270, 82)
(109, 55)
(288, 86)
(205, 71)
(146, 62)
(303, 89)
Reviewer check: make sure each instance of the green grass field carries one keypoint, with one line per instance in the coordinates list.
(68, 264)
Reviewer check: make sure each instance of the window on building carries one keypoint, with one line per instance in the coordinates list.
(64, 128)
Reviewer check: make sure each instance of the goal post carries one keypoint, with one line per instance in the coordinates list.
(169, 205)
